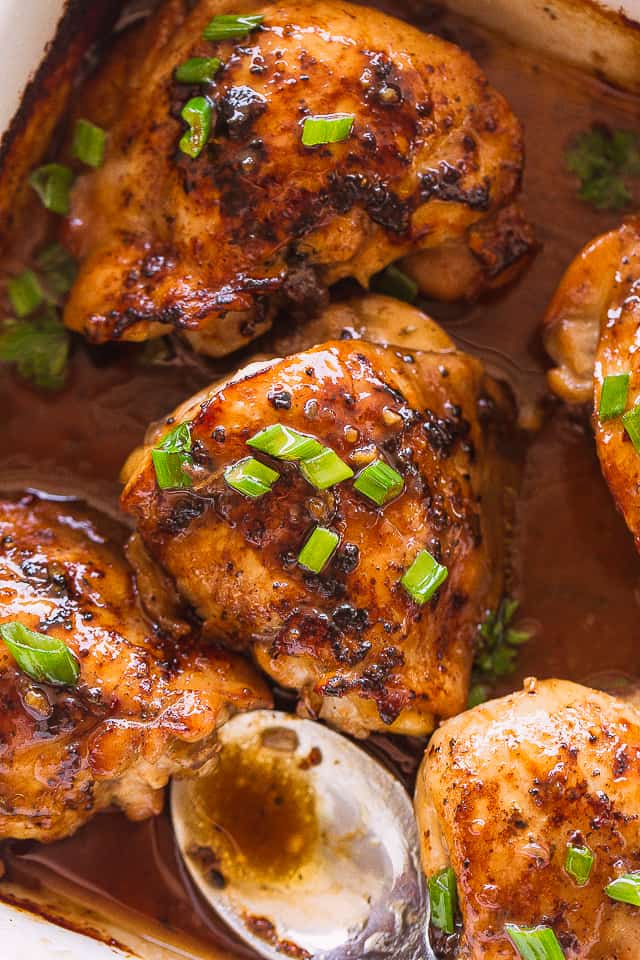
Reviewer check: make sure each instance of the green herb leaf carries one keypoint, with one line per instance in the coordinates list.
(251, 477)
(198, 70)
(330, 129)
(197, 114)
(631, 423)
(52, 183)
(25, 293)
(325, 470)
(603, 159)
(498, 642)
(579, 863)
(625, 889)
(535, 943)
(379, 482)
(318, 549)
(171, 455)
(88, 143)
(41, 657)
(58, 269)
(38, 347)
(423, 577)
(394, 283)
(285, 443)
(613, 397)
(231, 26)
(443, 898)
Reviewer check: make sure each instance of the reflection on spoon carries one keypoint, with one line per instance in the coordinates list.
(304, 844)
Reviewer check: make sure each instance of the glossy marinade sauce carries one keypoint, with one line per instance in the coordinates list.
(575, 569)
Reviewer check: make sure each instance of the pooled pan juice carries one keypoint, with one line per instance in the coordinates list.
(473, 506)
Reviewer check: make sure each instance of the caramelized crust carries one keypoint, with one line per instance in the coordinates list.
(359, 650)
(591, 332)
(203, 246)
(144, 708)
(503, 790)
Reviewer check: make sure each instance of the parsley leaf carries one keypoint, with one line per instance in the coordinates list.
(496, 650)
(38, 346)
(603, 160)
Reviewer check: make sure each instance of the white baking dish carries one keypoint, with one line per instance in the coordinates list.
(576, 30)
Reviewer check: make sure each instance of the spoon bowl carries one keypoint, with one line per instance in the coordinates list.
(305, 845)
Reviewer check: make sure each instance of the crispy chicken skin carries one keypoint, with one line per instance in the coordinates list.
(504, 788)
(359, 650)
(208, 245)
(144, 708)
(591, 332)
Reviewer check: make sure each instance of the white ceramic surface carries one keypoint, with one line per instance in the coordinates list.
(25, 937)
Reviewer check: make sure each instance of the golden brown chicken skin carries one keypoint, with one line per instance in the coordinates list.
(360, 651)
(207, 245)
(505, 788)
(591, 332)
(144, 707)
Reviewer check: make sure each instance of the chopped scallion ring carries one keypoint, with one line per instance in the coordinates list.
(443, 897)
(631, 423)
(318, 549)
(330, 129)
(171, 455)
(43, 658)
(395, 283)
(325, 470)
(52, 183)
(578, 863)
(535, 943)
(285, 443)
(25, 293)
(423, 577)
(197, 114)
(613, 398)
(88, 143)
(231, 26)
(198, 70)
(251, 477)
(625, 889)
(379, 482)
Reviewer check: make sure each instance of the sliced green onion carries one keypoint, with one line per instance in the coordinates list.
(198, 70)
(330, 129)
(52, 183)
(88, 143)
(231, 26)
(25, 293)
(443, 897)
(631, 422)
(379, 482)
(58, 268)
(394, 283)
(578, 863)
(613, 398)
(423, 577)
(197, 114)
(38, 347)
(171, 455)
(251, 477)
(535, 943)
(285, 443)
(625, 889)
(325, 470)
(318, 549)
(41, 657)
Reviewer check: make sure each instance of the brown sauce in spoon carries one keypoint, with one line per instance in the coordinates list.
(576, 570)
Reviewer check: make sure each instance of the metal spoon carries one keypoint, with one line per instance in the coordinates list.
(353, 888)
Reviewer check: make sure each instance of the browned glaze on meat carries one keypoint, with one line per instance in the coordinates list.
(169, 242)
(145, 706)
(584, 615)
(361, 652)
(506, 787)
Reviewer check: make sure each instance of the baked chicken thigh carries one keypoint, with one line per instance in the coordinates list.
(269, 209)
(338, 626)
(144, 706)
(591, 332)
(507, 791)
